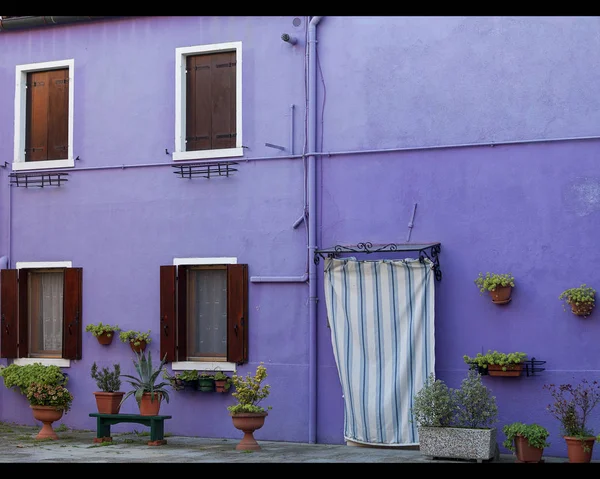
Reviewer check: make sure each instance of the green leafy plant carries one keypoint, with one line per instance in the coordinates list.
(174, 380)
(494, 357)
(249, 391)
(21, 377)
(106, 379)
(100, 328)
(581, 296)
(535, 435)
(179, 381)
(470, 406)
(147, 380)
(56, 395)
(189, 375)
(572, 406)
(221, 376)
(434, 405)
(491, 281)
(135, 337)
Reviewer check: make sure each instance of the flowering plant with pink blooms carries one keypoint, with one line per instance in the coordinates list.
(58, 396)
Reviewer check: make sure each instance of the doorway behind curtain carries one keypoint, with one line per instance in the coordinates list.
(381, 315)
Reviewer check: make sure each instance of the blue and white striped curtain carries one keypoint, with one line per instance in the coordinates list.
(381, 315)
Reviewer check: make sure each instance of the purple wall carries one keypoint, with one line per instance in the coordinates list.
(383, 83)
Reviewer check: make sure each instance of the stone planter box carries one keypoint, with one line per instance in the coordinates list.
(458, 443)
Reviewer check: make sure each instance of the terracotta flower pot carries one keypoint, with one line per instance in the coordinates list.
(248, 422)
(47, 415)
(582, 309)
(525, 452)
(105, 338)
(139, 348)
(220, 385)
(108, 402)
(579, 450)
(150, 406)
(512, 370)
(501, 295)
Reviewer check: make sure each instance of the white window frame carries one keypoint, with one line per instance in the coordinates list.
(181, 53)
(63, 363)
(202, 365)
(19, 162)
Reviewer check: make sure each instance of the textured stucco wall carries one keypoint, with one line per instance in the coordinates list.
(384, 82)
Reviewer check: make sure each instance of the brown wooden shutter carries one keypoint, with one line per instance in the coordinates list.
(182, 312)
(168, 311)
(198, 103)
(223, 100)
(36, 117)
(237, 313)
(9, 297)
(72, 319)
(23, 320)
(211, 101)
(58, 114)
(47, 119)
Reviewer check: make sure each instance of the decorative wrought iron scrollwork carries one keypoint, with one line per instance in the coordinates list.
(428, 251)
(434, 258)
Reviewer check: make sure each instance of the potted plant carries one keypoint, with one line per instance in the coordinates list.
(104, 333)
(572, 406)
(222, 382)
(136, 339)
(247, 415)
(108, 399)
(527, 441)
(581, 300)
(187, 379)
(456, 423)
(499, 286)
(48, 403)
(147, 389)
(206, 382)
(498, 364)
(20, 377)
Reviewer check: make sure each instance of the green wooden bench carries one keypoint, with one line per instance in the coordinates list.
(156, 424)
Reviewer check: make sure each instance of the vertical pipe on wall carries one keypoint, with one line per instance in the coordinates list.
(312, 225)
(9, 239)
(292, 129)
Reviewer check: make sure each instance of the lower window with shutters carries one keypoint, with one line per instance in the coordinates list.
(204, 313)
(41, 312)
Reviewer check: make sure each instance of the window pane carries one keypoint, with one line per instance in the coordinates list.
(207, 313)
(45, 308)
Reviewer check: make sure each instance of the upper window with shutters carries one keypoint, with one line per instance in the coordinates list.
(44, 116)
(208, 101)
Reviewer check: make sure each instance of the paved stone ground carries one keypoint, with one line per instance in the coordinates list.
(18, 445)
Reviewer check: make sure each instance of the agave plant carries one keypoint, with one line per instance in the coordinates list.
(147, 380)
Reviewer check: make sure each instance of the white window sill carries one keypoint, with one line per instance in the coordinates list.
(203, 366)
(61, 363)
(207, 154)
(42, 165)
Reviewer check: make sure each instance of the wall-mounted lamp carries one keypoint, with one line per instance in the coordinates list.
(291, 40)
